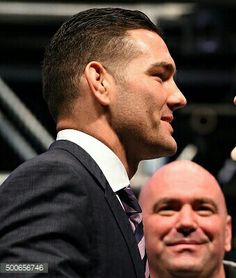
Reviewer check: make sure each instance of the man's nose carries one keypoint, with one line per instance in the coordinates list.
(187, 221)
(176, 99)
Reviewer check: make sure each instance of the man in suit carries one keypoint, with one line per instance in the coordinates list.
(187, 227)
(108, 82)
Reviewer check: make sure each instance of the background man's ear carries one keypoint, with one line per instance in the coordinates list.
(95, 75)
(228, 234)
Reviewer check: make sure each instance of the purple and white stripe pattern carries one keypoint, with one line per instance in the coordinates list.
(134, 213)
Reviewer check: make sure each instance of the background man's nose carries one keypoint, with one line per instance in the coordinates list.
(186, 223)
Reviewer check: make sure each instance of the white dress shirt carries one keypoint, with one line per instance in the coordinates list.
(108, 162)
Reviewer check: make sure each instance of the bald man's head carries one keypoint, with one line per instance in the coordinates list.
(182, 173)
(187, 228)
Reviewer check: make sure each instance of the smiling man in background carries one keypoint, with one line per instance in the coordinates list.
(187, 227)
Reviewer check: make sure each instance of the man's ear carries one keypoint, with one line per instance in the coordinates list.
(228, 234)
(96, 74)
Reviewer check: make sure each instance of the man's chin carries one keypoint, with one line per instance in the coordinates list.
(170, 149)
(157, 150)
(183, 269)
(188, 262)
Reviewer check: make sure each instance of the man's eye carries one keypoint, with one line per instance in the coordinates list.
(205, 210)
(160, 76)
(165, 210)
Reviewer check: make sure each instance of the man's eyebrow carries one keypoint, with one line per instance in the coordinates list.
(168, 67)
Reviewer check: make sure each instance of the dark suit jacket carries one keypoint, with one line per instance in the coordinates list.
(59, 209)
(230, 269)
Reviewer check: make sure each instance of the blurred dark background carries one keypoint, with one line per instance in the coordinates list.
(201, 37)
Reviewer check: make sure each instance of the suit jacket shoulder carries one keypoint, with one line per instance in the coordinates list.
(58, 208)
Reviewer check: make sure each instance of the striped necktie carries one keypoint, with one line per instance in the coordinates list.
(134, 213)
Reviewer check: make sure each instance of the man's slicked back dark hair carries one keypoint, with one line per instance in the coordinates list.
(94, 34)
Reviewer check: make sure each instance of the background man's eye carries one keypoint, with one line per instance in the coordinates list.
(165, 210)
(205, 210)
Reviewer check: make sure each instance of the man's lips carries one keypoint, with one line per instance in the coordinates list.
(167, 118)
(186, 242)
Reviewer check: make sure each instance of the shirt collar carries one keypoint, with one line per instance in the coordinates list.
(109, 163)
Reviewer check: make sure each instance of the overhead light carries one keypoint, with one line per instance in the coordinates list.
(188, 153)
(233, 154)
(154, 11)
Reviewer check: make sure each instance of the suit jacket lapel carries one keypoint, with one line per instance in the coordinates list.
(117, 210)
